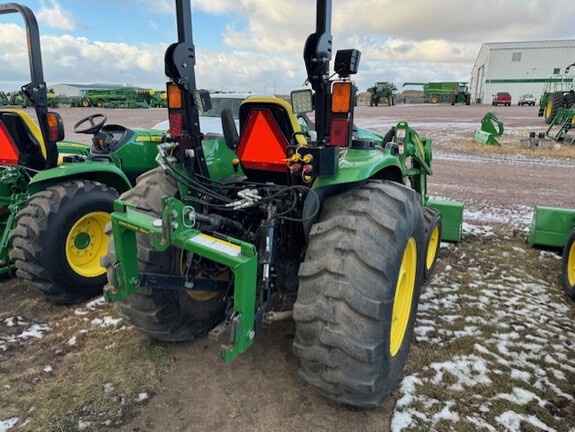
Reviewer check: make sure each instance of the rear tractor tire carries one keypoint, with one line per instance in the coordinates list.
(568, 275)
(59, 240)
(433, 226)
(569, 100)
(359, 291)
(166, 315)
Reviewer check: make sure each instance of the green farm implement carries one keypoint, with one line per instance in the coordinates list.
(122, 97)
(491, 129)
(318, 221)
(555, 228)
(561, 127)
(444, 92)
(56, 196)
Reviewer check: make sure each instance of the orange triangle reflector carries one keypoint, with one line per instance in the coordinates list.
(8, 150)
(262, 144)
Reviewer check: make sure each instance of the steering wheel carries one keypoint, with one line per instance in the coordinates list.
(95, 124)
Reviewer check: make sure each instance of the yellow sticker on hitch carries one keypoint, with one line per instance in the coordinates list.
(217, 245)
(133, 227)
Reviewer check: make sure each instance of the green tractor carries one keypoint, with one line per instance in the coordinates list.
(56, 196)
(289, 218)
(382, 91)
(557, 93)
(555, 228)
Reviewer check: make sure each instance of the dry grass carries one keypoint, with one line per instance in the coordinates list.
(90, 382)
(511, 145)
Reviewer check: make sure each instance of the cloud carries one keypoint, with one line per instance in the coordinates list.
(78, 60)
(54, 16)
(161, 6)
(435, 40)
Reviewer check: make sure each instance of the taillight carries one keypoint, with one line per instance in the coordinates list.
(339, 132)
(176, 120)
(341, 97)
(53, 121)
(174, 96)
(175, 110)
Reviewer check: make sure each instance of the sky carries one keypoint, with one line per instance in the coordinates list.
(257, 45)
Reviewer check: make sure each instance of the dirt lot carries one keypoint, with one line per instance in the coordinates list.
(487, 289)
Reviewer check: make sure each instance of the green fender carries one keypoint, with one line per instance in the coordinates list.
(102, 172)
(359, 165)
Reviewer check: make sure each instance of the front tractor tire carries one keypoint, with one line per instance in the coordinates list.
(433, 225)
(359, 291)
(166, 315)
(568, 275)
(59, 240)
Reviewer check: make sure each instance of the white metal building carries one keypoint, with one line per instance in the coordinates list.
(518, 67)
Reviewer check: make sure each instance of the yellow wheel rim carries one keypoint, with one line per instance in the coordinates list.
(86, 243)
(432, 247)
(85, 103)
(201, 296)
(403, 296)
(571, 265)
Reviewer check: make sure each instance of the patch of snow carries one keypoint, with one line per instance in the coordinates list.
(6, 425)
(512, 422)
(519, 396)
(548, 254)
(91, 306)
(15, 321)
(142, 397)
(83, 425)
(72, 341)
(106, 321)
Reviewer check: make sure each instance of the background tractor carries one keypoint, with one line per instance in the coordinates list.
(558, 92)
(319, 221)
(382, 92)
(444, 91)
(56, 196)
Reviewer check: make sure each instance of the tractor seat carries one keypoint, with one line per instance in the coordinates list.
(268, 126)
(27, 138)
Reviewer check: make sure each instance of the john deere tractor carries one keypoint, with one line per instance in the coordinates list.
(558, 92)
(315, 220)
(56, 196)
